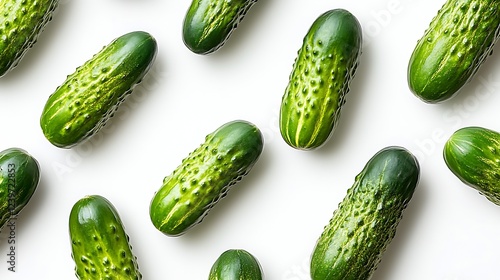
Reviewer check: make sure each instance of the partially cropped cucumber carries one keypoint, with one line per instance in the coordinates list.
(365, 222)
(22, 22)
(236, 264)
(89, 97)
(320, 80)
(208, 24)
(19, 178)
(459, 39)
(205, 176)
(99, 243)
(473, 155)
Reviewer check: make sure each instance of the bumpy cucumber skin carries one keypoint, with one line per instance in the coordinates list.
(89, 97)
(205, 176)
(473, 155)
(236, 264)
(457, 42)
(22, 23)
(99, 243)
(320, 79)
(19, 178)
(352, 244)
(208, 24)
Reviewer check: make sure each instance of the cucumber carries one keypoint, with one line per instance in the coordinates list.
(457, 42)
(473, 155)
(352, 244)
(100, 246)
(320, 79)
(22, 23)
(19, 178)
(205, 176)
(236, 264)
(89, 97)
(208, 24)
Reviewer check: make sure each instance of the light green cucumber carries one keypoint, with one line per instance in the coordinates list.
(473, 155)
(21, 23)
(90, 96)
(205, 176)
(320, 79)
(457, 42)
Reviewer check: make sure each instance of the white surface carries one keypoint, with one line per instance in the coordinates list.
(449, 231)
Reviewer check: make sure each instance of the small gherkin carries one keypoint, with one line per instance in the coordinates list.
(352, 244)
(83, 104)
(320, 79)
(208, 24)
(205, 176)
(21, 23)
(457, 42)
(236, 264)
(99, 243)
(473, 155)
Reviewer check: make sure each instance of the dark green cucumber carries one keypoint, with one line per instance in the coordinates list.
(21, 23)
(205, 176)
(99, 243)
(352, 244)
(320, 79)
(473, 155)
(19, 178)
(208, 24)
(452, 49)
(89, 97)
(236, 264)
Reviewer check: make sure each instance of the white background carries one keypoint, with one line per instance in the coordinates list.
(449, 231)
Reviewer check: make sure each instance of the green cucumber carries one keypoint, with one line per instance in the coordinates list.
(22, 23)
(352, 244)
(457, 42)
(89, 97)
(473, 155)
(100, 246)
(205, 176)
(208, 24)
(19, 178)
(236, 264)
(320, 79)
